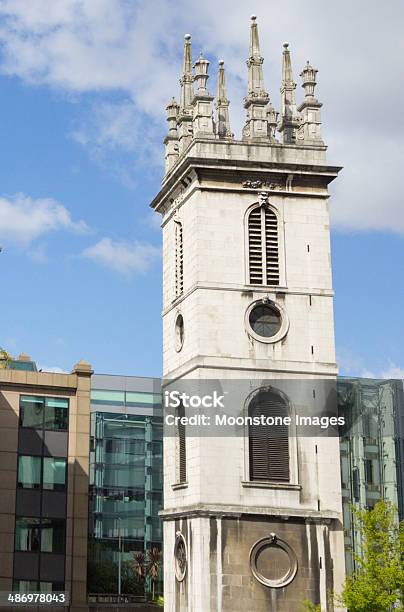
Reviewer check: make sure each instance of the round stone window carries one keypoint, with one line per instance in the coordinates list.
(273, 562)
(180, 556)
(266, 321)
(179, 332)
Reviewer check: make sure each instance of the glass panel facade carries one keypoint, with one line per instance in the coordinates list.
(32, 411)
(56, 414)
(53, 535)
(54, 473)
(51, 587)
(27, 534)
(25, 586)
(44, 412)
(142, 399)
(125, 494)
(38, 538)
(46, 535)
(29, 472)
(124, 398)
(32, 586)
(371, 461)
(113, 398)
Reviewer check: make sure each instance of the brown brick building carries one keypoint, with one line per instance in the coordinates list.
(44, 467)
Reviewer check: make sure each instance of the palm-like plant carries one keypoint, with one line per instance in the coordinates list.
(139, 566)
(153, 566)
(148, 567)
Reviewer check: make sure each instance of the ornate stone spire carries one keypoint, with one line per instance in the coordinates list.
(202, 101)
(310, 129)
(289, 116)
(186, 96)
(171, 140)
(222, 106)
(187, 79)
(257, 98)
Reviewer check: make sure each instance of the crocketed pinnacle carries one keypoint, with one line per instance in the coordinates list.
(289, 120)
(187, 79)
(222, 106)
(256, 88)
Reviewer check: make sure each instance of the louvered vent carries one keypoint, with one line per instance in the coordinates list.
(263, 247)
(268, 445)
(255, 246)
(271, 247)
(182, 453)
(179, 260)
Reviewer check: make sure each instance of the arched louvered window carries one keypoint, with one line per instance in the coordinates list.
(268, 444)
(263, 247)
(181, 448)
(179, 260)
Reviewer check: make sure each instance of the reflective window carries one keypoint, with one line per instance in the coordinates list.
(27, 534)
(32, 586)
(138, 398)
(44, 412)
(29, 472)
(51, 587)
(114, 398)
(31, 411)
(122, 478)
(53, 533)
(54, 473)
(25, 586)
(56, 414)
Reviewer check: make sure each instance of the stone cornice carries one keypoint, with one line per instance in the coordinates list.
(236, 511)
(244, 366)
(241, 161)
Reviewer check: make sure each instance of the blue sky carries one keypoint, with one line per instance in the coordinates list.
(83, 89)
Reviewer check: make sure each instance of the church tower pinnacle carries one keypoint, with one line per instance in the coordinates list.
(171, 140)
(289, 121)
(310, 130)
(186, 97)
(257, 98)
(202, 101)
(222, 106)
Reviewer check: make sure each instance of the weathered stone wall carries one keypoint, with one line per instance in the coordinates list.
(219, 575)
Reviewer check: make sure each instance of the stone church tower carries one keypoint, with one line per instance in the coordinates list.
(250, 523)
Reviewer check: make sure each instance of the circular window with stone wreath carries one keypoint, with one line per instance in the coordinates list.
(266, 321)
(179, 333)
(273, 562)
(180, 556)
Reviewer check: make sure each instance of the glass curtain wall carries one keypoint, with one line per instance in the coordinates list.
(371, 450)
(125, 496)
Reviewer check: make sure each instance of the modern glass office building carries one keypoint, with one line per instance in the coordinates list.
(372, 450)
(126, 487)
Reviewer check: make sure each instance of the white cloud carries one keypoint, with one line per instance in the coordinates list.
(133, 49)
(119, 139)
(123, 257)
(23, 219)
(392, 371)
(112, 124)
(350, 364)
